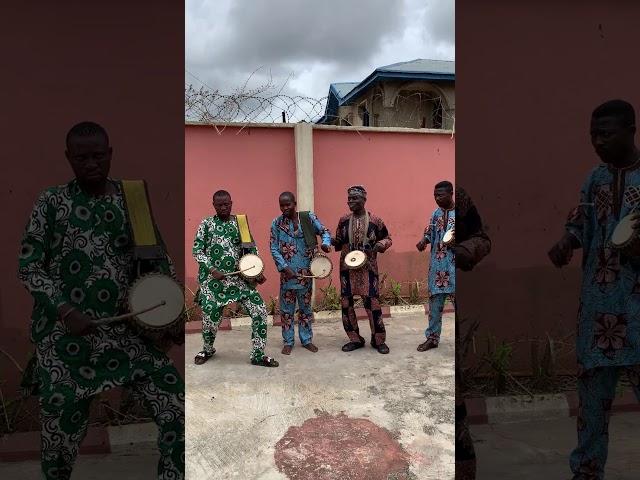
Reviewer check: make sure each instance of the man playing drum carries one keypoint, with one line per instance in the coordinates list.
(292, 247)
(76, 261)
(365, 232)
(218, 248)
(608, 329)
(442, 266)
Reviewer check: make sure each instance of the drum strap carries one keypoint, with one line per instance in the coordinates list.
(308, 230)
(245, 233)
(143, 231)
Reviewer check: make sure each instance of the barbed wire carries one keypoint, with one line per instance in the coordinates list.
(266, 103)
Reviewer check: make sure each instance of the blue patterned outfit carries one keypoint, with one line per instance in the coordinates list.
(608, 329)
(288, 249)
(442, 269)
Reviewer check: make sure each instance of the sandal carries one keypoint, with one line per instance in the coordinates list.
(311, 347)
(428, 345)
(286, 350)
(265, 362)
(351, 346)
(202, 357)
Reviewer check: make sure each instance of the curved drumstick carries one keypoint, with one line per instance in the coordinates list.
(239, 271)
(102, 321)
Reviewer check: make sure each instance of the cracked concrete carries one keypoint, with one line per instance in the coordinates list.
(237, 413)
(540, 449)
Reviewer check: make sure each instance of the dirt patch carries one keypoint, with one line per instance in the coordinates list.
(336, 447)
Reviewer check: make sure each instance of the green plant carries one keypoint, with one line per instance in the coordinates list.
(499, 358)
(396, 292)
(414, 294)
(272, 306)
(331, 298)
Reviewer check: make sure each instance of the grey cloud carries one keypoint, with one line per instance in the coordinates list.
(440, 21)
(269, 31)
(326, 40)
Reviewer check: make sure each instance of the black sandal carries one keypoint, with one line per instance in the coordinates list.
(202, 357)
(351, 346)
(265, 362)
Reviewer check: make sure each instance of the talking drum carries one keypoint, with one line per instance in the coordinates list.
(320, 266)
(625, 238)
(151, 290)
(156, 303)
(355, 260)
(250, 266)
(449, 237)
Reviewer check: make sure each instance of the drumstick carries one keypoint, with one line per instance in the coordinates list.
(101, 321)
(239, 271)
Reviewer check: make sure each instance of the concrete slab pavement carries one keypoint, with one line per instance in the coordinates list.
(541, 448)
(401, 404)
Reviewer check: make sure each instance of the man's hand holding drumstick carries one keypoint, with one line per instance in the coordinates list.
(289, 274)
(216, 274)
(77, 322)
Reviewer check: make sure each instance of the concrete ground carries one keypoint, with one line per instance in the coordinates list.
(140, 464)
(360, 412)
(540, 449)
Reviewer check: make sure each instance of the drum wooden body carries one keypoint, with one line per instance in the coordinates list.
(250, 266)
(625, 238)
(150, 290)
(321, 266)
(355, 260)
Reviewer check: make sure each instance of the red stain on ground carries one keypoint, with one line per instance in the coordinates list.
(331, 447)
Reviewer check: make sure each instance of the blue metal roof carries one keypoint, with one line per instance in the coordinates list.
(341, 89)
(419, 69)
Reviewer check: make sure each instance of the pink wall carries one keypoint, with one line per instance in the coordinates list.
(254, 165)
(523, 114)
(398, 170)
(58, 75)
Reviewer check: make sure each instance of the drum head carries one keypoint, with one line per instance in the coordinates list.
(355, 259)
(623, 232)
(321, 266)
(448, 236)
(251, 265)
(151, 290)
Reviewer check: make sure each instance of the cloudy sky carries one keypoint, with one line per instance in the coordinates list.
(304, 45)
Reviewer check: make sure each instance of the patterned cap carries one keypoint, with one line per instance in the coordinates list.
(357, 190)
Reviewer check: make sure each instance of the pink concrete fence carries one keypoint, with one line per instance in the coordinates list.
(256, 163)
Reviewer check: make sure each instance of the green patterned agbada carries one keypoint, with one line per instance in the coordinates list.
(77, 250)
(217, 245)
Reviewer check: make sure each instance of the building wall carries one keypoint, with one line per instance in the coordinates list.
(394, 105)
(257, 163)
